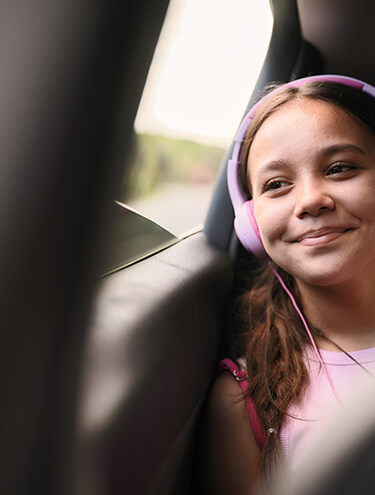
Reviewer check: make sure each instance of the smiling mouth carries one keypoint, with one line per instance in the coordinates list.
(319, 237)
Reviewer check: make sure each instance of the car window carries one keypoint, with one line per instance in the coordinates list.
(197, 87)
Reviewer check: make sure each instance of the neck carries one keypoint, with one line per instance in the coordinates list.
(344, 312)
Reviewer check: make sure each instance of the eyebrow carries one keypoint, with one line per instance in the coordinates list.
(271, 166)
(337, 148)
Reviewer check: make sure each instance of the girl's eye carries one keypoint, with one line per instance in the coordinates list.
(340, 168)
(273, 185)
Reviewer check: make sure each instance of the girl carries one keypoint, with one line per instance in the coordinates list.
(307, 153)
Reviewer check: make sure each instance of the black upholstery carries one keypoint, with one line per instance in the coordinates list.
(153, 348)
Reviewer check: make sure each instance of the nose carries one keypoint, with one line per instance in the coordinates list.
(313, 199)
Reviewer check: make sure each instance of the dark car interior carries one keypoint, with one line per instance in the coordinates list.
(104, 377)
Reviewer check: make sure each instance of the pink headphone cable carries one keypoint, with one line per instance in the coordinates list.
(277, 275)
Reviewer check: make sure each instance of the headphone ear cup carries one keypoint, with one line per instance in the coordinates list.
(247, 229)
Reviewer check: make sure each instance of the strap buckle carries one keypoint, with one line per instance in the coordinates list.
(240, 375)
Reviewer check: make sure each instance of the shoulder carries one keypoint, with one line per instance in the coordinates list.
(226, 409)
(229, 455)
(225, 398)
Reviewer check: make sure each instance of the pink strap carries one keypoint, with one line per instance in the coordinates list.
(241, 377)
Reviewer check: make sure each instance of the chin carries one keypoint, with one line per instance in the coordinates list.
(318, 276)
(347, 274)
(322, 280)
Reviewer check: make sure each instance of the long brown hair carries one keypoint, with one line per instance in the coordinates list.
(275, 337)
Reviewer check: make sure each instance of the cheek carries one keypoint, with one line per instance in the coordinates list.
(363, 204)
(272, 222)
(360, 202)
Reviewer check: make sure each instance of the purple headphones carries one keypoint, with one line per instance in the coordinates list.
(245, 224)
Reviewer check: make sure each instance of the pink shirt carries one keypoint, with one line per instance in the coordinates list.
(319, 404)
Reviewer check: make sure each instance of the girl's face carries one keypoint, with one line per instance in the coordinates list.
(312, 173)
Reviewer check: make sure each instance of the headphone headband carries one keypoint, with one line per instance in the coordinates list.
(245, 221)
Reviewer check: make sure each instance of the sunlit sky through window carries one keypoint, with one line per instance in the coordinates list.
(206, 63)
